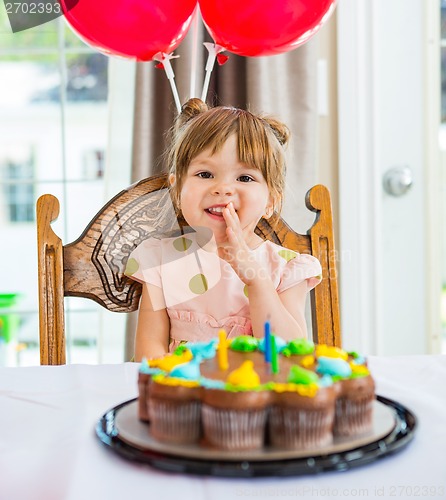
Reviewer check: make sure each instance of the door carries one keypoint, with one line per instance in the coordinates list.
(389, 182)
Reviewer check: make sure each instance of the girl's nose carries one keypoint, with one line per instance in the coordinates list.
(223, 188)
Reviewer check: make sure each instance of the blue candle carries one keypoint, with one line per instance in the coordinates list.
(267, 342)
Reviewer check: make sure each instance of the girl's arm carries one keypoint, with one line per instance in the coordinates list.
(152, 331)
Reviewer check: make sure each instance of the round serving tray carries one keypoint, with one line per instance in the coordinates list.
(122, 432)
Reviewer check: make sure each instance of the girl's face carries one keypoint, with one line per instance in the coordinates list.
(214, 180)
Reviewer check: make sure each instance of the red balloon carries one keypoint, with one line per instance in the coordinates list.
(137, 29)
(264, 27)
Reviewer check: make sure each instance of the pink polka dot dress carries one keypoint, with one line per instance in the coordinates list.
(202, 292)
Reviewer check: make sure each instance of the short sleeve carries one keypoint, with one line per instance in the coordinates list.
(144, 263)
(300, 267)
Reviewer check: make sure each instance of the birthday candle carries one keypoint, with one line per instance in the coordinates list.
(222, 351)
(274, 355)
(267, 342)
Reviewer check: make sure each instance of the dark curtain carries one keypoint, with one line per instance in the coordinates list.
(282, 85)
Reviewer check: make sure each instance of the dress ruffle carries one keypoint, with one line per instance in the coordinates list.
(194, 326)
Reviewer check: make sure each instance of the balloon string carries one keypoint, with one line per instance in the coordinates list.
(164, 59)
(207, 79)
(213, 49)
(175, 95)
(194, 52)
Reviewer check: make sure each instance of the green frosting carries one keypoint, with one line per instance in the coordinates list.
(244, 343)
(180, 349)
(299, 375)
(298, 347)
(353, 354)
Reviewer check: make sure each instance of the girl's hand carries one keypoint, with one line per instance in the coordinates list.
(235, 249)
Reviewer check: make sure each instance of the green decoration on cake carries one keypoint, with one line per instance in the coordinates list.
(353, 354)
(244, 343)
(299, 375)
(298, 347)
(180, 349)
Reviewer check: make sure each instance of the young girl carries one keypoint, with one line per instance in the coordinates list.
(227, 172)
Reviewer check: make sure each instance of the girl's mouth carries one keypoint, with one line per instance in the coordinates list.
(215, 212)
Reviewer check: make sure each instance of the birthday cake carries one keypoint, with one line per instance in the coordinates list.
(235, 394)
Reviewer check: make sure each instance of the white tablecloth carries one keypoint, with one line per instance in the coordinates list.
(49, 450)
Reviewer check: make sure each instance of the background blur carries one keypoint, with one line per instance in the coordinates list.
(66, 122)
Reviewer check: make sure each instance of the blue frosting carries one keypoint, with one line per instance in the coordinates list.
(280, 344)
(360, 360)
(148, 370)
(325, 381)
(212, 384)
(189, 371)
(205, 350)
(333, 366)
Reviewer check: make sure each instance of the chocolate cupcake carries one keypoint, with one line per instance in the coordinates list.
(175, 410)
(143, 396)
(354, 406)
(303, 412)
(145, 374)
(234, 418)
(175, 403)
(147, 369)
(355, 394)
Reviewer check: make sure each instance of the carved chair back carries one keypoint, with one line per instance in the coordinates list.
(93, 265)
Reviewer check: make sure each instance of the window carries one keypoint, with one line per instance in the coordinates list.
(18, 189)
(54, 118)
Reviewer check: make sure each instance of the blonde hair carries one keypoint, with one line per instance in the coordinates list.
(260, 142)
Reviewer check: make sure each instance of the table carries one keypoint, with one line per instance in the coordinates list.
(49, 450)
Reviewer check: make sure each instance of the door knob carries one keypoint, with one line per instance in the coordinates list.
(398, 180)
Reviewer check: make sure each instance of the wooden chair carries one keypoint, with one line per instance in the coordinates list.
(93, 265)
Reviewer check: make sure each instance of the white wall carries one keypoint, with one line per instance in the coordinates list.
(384, 112)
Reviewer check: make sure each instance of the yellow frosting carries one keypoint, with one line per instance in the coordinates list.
(307, 361)
(331, 352)
(175, 382)
(244, 376)
(359, 369)
(170, 360)
(309, 390)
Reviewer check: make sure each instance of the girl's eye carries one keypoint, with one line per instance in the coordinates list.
(204, 175)
(245, 178)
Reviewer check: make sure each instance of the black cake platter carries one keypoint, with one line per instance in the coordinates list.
(123, 433)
